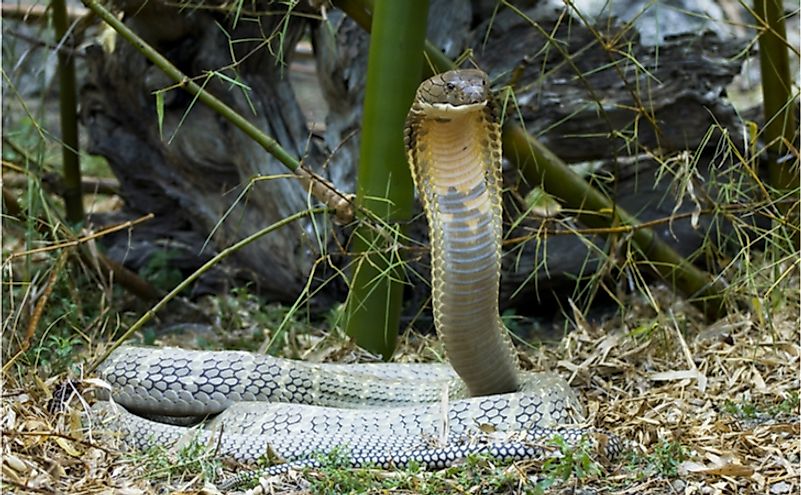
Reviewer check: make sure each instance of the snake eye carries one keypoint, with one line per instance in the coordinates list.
(450, 86)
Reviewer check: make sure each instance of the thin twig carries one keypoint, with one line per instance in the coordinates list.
(36, 12)
(185, 82)
(45, 44)
(200, 271)
(53, 184)
(26, 487)
(126, 278)
(84, 239)
(42, 302)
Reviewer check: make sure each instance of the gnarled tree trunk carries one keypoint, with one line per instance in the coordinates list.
(595, 104)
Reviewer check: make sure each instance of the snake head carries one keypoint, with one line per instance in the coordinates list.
(454, 92)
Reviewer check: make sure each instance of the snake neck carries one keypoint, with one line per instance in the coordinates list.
(456, 166)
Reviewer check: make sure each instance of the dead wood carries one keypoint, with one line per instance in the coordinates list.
(195, 174)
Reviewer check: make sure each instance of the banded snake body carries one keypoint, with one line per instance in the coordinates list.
(380, 414)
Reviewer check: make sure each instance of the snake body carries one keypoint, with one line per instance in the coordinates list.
(381, 414)
(453, 144)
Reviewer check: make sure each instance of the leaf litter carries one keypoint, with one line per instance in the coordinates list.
(705, 409)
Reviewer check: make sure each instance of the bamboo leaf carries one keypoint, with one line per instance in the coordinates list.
(160, 112)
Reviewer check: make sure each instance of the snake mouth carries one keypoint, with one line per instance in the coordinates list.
(449, 111)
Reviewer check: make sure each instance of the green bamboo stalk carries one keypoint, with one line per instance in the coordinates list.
(384, 185)
(781, 127)
(67, 95)
(361, 11)
(779, 106)
(541, 166)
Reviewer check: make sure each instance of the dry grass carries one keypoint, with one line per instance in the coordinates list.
(707, 409)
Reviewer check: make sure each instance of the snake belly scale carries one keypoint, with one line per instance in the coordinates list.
(379, 414)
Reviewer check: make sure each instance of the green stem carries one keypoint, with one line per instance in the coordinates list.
(200, 271)
(541, 166)
(384, 183)
(781, 126)
(73, 199)
(361, 12)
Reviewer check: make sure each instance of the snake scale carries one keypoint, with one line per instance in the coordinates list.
(381, 414)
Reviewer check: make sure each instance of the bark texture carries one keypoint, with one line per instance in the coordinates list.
(583, 101)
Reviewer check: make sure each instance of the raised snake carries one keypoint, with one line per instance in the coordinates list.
(381, 414)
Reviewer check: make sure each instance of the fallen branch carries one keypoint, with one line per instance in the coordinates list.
(322, 189)
(540, 166)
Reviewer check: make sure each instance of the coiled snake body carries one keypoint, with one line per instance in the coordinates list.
(381, 414)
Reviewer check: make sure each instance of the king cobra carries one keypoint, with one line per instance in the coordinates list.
(385, 415)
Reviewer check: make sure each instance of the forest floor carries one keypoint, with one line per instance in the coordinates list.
(703, 408)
